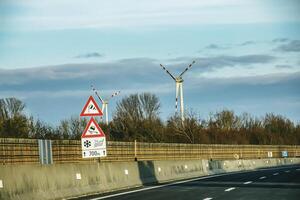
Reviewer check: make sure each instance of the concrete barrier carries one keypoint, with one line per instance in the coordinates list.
(71, 180)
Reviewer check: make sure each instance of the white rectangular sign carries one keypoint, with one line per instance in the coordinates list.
(93, 147)
(93, 143)
(95, 153)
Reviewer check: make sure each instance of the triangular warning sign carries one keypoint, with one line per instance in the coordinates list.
(92, 130)
(91, 108)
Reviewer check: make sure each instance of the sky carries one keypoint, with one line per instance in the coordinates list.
(247, 54)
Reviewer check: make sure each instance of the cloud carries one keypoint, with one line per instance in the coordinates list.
(129, 73)
(283, 66)
(292, 46)
(60, 15)
(291, 79)
(253, 94)
(214, 62)
(215, 47)
(134, 74)
(247, 43)
(90, 55)
(132, 71)
(279, 40)
(57, 92)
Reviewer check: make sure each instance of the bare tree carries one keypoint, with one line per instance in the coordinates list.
(137, 117)
(11, 107)
(188, 130)
(13, 123)
(225, 120)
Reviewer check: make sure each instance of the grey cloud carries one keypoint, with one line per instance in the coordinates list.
(215, 47)
(262, 91)
(279, 40)
(292, 46)
(291, 79)
(283, 66)
(247, 43)
(211, 63)
(245, 59)
(90, 55)
(58, 91)
(132, 73)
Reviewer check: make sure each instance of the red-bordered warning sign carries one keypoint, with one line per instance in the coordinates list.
(92, 130)
(91, 108)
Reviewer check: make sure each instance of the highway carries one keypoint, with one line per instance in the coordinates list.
(273, 183)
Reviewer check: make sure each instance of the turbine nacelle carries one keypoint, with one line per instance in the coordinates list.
(178, 79)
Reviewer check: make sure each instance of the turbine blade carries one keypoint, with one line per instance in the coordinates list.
(167, 72)
(114, 94)
(94, 89)
(187, 68)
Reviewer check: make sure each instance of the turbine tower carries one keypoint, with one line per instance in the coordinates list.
(178, 89)
(105, 102)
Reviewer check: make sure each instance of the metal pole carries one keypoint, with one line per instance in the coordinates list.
(106, 113)
(176, 96)
(181, 102)
(103, 107)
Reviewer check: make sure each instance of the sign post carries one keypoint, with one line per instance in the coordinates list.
(93, 140)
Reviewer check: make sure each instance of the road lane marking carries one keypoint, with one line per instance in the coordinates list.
(275, 174)
(229, 189)
(248, 182)
(298, 169)
(165, 185)
(208, 198)
(263, 177)
(287, 171)
(180, 182)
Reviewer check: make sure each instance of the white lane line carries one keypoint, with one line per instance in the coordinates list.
(287, 171)
(248, 182)
(165, 185)
(229, 189)
(263, 177)
(275, 174)
(208, 198)
(185, 181)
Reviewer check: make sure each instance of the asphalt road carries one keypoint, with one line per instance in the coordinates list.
(273, 184)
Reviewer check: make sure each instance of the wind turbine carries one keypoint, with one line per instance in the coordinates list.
(105, 102)
(178, 89)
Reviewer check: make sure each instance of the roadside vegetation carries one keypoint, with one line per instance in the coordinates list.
(137, 117)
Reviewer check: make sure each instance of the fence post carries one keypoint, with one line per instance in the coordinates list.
(135, 151)
(45, 152)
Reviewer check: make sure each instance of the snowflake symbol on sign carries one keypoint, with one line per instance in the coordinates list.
(87, 143)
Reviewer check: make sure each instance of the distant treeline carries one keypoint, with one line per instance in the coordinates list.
(137, 117)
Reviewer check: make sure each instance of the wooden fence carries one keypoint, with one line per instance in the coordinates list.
(14, 151)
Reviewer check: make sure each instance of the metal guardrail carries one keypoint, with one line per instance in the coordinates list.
(14, 151)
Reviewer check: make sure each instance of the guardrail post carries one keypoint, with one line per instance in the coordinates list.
(45, 152)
